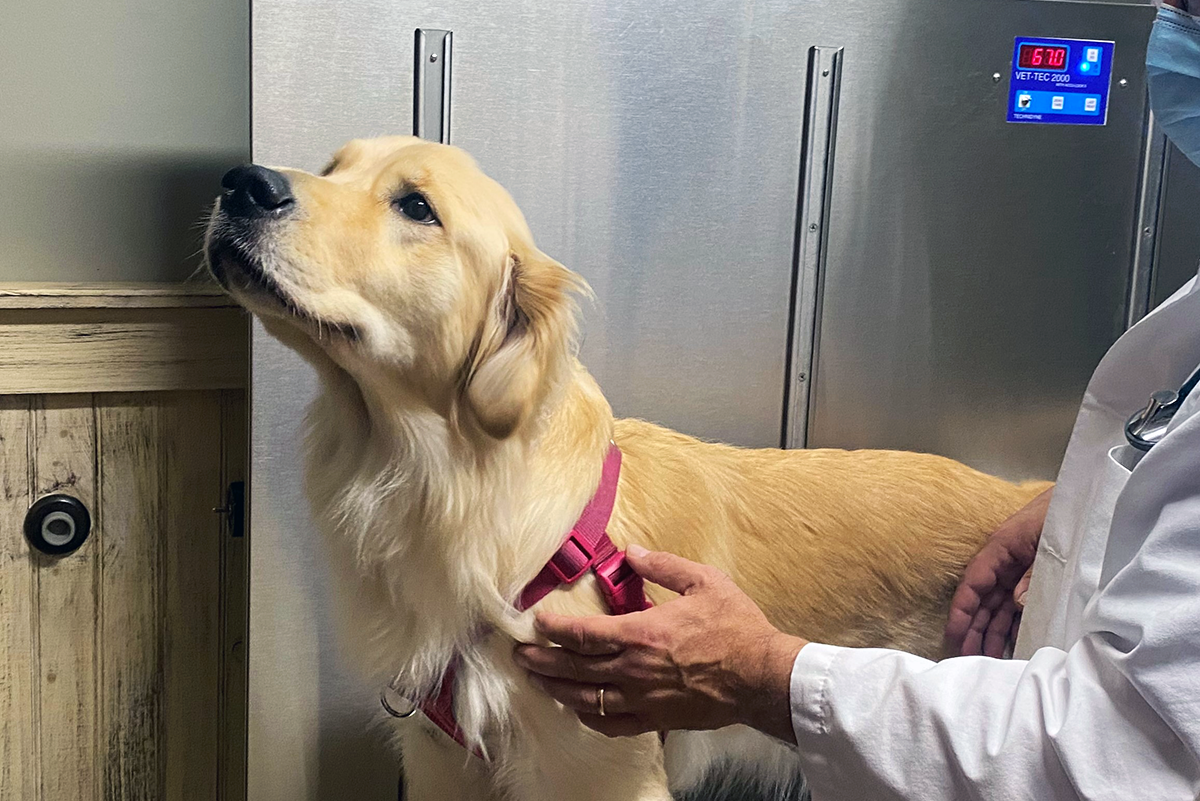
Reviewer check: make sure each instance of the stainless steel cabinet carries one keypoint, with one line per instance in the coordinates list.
(977, 269)
(973, 270)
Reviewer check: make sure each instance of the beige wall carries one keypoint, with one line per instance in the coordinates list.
(117, 120)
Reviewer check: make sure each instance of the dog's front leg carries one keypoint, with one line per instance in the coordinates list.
(554, 757)
(438, 769)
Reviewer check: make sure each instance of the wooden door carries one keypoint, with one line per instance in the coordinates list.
(121, 673)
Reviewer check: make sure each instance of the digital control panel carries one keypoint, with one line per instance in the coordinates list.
(1060, 81)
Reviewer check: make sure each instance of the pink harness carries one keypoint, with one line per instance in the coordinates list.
(587, 548)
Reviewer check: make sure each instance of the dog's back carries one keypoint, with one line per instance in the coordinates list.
(859, 548)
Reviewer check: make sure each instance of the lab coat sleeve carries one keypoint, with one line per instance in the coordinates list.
(1115, 717)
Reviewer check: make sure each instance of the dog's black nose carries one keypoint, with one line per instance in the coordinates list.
(251, 190)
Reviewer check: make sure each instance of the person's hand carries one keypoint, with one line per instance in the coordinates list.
(704, 660)
(986, 610)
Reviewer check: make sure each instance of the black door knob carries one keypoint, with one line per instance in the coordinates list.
(57, 524)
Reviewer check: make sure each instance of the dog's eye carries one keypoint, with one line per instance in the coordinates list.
(415, 207)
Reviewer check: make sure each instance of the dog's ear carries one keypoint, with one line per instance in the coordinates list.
(528, 337)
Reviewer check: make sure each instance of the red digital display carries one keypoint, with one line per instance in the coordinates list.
(1042, 57)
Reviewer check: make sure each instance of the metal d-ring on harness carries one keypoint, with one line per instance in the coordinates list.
(1146, 427)
(407, 707)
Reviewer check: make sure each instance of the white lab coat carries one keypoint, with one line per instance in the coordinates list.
(1107, 704)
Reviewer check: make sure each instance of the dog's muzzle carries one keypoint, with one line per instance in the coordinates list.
(252, 198)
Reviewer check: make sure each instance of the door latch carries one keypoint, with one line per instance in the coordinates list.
(234, 509)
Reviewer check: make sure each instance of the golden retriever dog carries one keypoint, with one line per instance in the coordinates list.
(457, 438)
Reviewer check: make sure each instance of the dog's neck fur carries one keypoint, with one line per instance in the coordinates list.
(436, 532)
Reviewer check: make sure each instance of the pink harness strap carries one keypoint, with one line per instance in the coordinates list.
(587, 547)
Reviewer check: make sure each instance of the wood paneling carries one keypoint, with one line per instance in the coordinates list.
(191, 486)
(118, 678)
(234, 599)
(122, 350)
(19, 747)
(68, 612)
(110, 295)
(134, 539)
(122, 665)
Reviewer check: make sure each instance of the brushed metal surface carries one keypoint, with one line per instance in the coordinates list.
(1177, 253)
(1151, 191)
(117, 119)
(812, 233)
(977, 270)
(655, 148)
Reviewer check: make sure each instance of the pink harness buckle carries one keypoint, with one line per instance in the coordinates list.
(622, 588)
(571, 560)
(587, 547)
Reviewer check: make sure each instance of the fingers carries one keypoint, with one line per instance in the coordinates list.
(978, 582)
(982, 572)
(995, 639)
(969, 619)
(562, 663)
(976, 623)
(668, 570)
(599, 634)
(973, 640)
(962, 611)
(1022, 588)
(585, 698)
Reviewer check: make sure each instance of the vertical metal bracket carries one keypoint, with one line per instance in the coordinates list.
(431, 84)
(1151, 188)
(812, 236)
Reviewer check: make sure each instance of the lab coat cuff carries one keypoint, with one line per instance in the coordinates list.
(809, 691)
(811, 685)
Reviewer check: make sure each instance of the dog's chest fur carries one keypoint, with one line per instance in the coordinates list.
(428, 548)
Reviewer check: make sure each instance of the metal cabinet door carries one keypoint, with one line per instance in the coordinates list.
(653, 147)
(977, 270)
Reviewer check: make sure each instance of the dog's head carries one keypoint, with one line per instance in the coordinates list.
(408, 268)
